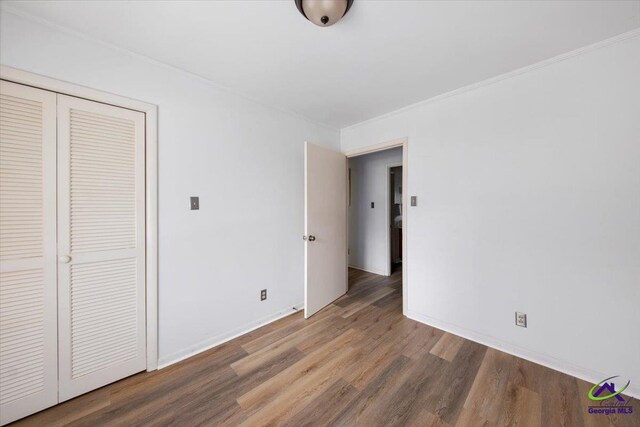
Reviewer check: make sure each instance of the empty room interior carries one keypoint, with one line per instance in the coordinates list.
(320, 213)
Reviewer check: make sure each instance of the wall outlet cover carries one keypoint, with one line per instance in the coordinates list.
(263, 295)
(521, 319)
(414, 200)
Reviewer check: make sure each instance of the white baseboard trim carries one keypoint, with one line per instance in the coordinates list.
(587, 375)
(176, 357)
(368, 270)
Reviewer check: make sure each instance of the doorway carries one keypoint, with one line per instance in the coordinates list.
(372, 209)
(402, 267)
(330, 188)
(375, 221)
(395, 218)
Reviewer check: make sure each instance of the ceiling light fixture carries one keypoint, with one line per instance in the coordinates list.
(323, 13)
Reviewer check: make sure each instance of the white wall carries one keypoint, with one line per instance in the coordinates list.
(368, 248)
(529, 200)
(247, 234)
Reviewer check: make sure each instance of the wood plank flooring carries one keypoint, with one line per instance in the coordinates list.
(357, 362)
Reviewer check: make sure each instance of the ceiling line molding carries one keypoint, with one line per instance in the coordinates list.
(505, 76)
(70, 31)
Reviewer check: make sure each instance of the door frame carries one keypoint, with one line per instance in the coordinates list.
(151, 182)
(404, 143)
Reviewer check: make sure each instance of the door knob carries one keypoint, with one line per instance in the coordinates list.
(312, 237)
(65, 259)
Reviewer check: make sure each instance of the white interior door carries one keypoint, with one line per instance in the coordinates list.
(28, 312)
(101, 244)
(325, 227)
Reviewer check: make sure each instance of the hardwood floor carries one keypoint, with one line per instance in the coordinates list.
(358, 362)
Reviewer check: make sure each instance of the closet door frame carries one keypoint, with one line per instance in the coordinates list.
(151, 182)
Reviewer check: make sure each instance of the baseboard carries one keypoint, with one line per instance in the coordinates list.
(176, 357)
(587, 375)
(368, 270)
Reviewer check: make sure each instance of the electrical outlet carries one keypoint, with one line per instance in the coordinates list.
(373, 205)
(521, 319)
(263, 295)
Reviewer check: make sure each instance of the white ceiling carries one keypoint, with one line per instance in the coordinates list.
(382, 56)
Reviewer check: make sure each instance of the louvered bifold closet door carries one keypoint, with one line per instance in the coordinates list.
(28, 312)
(101, 231)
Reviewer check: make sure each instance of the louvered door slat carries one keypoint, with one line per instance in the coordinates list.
(101, 227)
(28, 311)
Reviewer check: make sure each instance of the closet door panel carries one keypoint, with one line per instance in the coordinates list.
(101, 230)
(28, 310)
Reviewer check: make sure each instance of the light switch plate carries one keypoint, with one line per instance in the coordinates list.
(195, 203)
(373, 205)
(414, 200)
